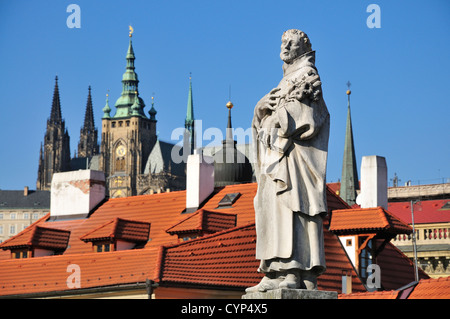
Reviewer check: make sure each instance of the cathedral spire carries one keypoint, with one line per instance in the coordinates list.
(189, 122)
(349, 181)
(55, 114)
(89, 113)
(88, 144)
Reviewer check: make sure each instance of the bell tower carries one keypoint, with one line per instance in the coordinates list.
(128, 136)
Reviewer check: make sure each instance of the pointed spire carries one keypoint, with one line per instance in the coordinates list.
(89, 113)
(55, 115)
(189, 121)
(129, 86)
(349, 181)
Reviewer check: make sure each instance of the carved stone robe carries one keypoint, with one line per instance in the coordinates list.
(291, 144)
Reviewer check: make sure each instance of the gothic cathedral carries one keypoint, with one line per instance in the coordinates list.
(134, 161)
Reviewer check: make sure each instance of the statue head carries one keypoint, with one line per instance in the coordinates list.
(293, 44)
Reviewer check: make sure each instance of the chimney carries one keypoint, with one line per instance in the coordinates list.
(25, 191)
(373, 182)
(199, 180)
(74, 194)
(346, 282)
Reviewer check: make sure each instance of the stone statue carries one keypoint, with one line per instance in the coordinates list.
(290, 137)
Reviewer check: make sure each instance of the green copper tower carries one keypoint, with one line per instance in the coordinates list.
(349, 181)
(129, 89)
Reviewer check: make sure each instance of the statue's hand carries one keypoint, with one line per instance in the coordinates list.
(267, 104)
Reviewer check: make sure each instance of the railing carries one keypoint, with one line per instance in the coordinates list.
(425, 234)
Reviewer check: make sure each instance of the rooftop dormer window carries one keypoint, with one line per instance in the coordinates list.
(201, 223)
(118, 234)
(37, 242)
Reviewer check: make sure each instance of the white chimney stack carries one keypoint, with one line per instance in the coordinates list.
(199, 180)
(374, 191)
(74, 194)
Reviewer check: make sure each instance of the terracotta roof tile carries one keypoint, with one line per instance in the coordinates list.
(228, 259)
(432, 289)
(436, 288)
(205, 221)
(232, 247)
(118, 228)
(51, 273)
(371, 295)
(39, 237)
(350, 221)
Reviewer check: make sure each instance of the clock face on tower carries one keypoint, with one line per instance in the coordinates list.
(121, 150)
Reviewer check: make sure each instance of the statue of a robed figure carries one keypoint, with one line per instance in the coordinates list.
(290, 138)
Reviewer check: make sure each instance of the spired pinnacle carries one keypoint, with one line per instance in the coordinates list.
(89, 114)
(55, 115)
(349, 180)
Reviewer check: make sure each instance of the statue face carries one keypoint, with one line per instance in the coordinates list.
(291, 47)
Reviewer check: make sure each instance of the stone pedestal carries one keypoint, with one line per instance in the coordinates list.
(292, 294)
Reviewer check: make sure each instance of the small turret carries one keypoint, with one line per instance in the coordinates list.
(106, 110)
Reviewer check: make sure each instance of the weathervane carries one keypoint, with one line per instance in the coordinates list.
(131, 31)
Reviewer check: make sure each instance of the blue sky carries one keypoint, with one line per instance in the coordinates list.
(399, 72)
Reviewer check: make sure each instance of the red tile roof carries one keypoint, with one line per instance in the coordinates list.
(51, 273)
(118, 228)
(425, 289)
(162, 211)
(371, 295)
(425, 212)
(228, 259)
(204, 221)
(38, 237)
(432, 289)
(397, 270)
(360, 220)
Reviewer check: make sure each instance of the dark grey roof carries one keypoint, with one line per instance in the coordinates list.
(16, 199)
(79, 163)
(231, 166)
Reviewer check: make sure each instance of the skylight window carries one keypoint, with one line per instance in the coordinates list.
(228, 200)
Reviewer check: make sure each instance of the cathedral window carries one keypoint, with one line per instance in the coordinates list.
(113, 124)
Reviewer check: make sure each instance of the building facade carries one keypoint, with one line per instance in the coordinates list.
(19, 209)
